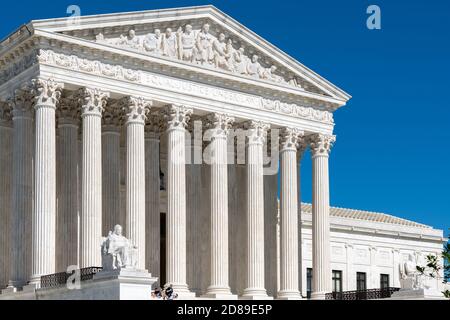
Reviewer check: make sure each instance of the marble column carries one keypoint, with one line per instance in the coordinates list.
(22, 188)
(93, 102)
(111, 214)
(256, 135)
(47, 94)
(152, 197)
(196, 272)
(68, 171)
(135, 110)
(176, 117)
(6, 131)
(218, 126)
(289, 215)
(301, 147)
(320, 147)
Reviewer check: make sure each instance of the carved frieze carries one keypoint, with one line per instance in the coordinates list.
(118, 72)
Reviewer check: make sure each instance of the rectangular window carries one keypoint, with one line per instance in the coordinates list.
(337, 281)
(308, 282)
(384, 281)
(360, 281)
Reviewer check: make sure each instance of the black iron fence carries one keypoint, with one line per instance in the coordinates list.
(60, 279)
(362, 294)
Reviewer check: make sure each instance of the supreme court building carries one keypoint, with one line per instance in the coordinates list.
(97, 128)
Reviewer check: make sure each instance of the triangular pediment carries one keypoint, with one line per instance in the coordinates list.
(203, 37)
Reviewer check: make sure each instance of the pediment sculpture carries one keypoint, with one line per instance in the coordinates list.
(117, 251)
(200, 47)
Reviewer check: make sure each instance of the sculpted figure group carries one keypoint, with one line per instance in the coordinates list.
(202, 48)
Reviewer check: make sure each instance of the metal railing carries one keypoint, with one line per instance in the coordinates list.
(368, 294)
(60, 279)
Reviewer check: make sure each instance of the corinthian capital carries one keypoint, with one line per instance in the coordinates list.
(68, 111)
(113, 115)
(46, 92)
(321, 144)
(290, 138)
(154, 124)
(135, 109)
(176, 116)
(301, 147)
(22, 103)
(219, 124)
(256, 131)
(92, 101)
(5, 112)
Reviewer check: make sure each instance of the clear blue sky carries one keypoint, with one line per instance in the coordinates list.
(393, 144)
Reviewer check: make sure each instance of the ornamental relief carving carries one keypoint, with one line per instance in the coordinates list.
(200, 47)
(118, 72)
(14, 66)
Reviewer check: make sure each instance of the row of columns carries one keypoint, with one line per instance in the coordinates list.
(44, 97)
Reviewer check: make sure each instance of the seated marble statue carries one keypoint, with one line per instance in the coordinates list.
(411, 278)
(117, 251)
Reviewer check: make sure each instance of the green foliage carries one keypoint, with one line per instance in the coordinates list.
(447, 294)
(432, 267)
(446, 256)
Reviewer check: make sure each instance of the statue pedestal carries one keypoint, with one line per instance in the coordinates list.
(418, 294)
(125, 284)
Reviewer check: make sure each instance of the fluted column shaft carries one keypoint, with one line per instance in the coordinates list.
(176, 209)
(177, 116)
(152, 209)
(289, 217)
(68, 195)
(219, 205)
(5, 194)
(135, 177)
(255, 212)
(22, 193)
(320, 147)
(111, 179)
(44, 214)
(93, 102)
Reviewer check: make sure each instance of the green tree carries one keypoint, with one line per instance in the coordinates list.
(433, 268)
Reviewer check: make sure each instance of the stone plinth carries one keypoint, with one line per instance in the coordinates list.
(418, 294)
(126, 284)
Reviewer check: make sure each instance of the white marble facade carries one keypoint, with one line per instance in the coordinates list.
(97, 122)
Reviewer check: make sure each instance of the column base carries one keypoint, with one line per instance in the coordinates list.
(289, 295)
(255, 294)
(220, 293)
(16, 285)
(35, 281)
(11, 290)
(318, 295)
